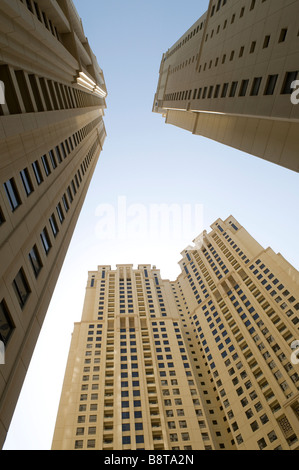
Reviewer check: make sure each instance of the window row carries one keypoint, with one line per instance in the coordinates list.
(236, 88)
(20, 284)
(27, 92)
(49, 162)
(41, 16)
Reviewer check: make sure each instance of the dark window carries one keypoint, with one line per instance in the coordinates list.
(37, 172)
(54, 226)
(217, 89)
(6, 324)
(289, 78)
(46, 165)
(266, 42)
(63, 150)
(271, 83)
(256, 86)
(252, 4)
(35, 261)
(252, 47)
(57, 149)
(243, 88)
(67, 146)
(45, 241)
(27, 181)
(224, 90)
(69, 192)
(60, 213)
(21, 288)
(2, 218)
(12, 194)
(233, 89)
(283, 35)
(65, 203)
(52, 158)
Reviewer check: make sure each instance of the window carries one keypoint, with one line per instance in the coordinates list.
(224, 90)
(35, 261)
(256, 86)
(12, 194)
(53, 160)
(21, 288)
(252, 5)
(254, 426)
(37, 172)
(233, 89)
(271, 83)
(69, 192)
(78, 444)
(45, 241)
(6, 324)
(26, 181)
(243, 88)
(2, 218)
(46, 165)
(289, 78)
(252, 47)
(266, 42)
(65, 203)
(58, 153)
(54, 225)
(60, 213)
(283, 34)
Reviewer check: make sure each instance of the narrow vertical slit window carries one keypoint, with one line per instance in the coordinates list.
(271, 84)
(35, 261)
(37, 172)
(2, 218)
(21, 288)
(12, 194)
(6, 323)
(28, 186)
(46, 165)
(289, 78)
(54, 225)
(46, 241)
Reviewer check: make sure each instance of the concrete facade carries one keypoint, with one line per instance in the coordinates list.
(229, 77)
(201, 363)
(51, 135)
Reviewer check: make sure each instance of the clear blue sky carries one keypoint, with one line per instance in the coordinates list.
(146, 162)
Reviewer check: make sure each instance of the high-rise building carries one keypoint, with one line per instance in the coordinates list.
(203, 362)
(230, 76)
(51, 135)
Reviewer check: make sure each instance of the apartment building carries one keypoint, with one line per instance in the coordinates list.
(199, 363)
(229, 78)
(51, 136)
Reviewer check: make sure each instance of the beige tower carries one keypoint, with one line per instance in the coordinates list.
(230, 76)
(51, 135)
(201, 363)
